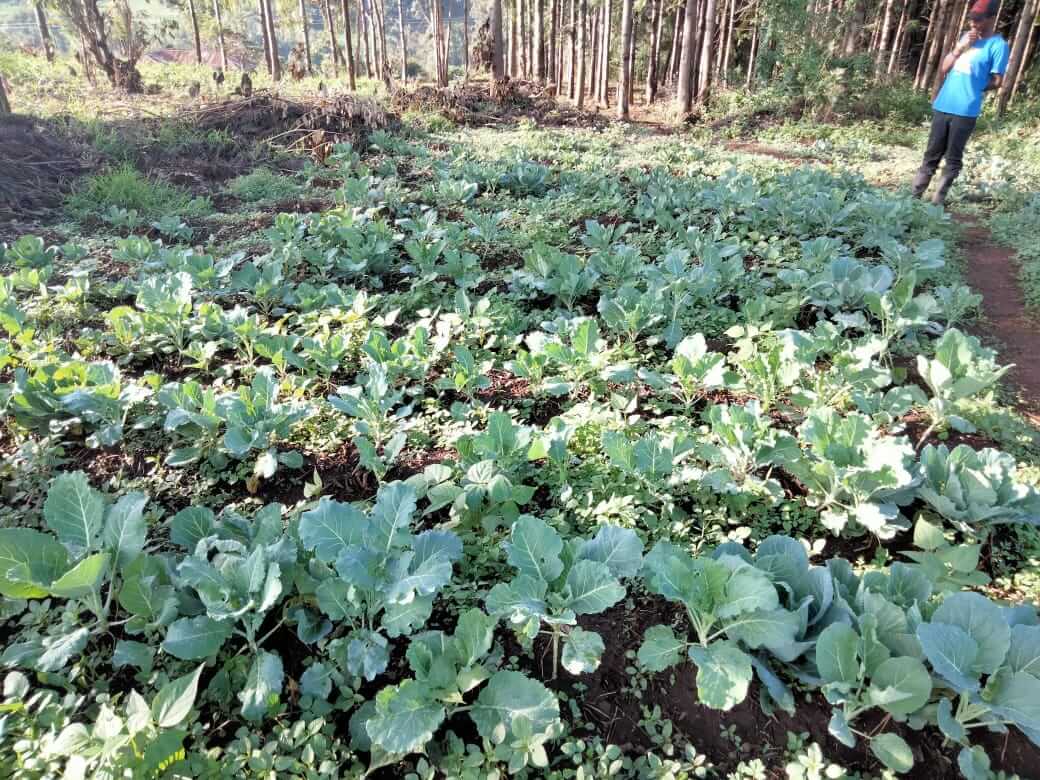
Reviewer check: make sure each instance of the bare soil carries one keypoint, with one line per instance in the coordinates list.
(992, 271)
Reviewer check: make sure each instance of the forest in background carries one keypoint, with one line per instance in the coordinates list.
(863, 55)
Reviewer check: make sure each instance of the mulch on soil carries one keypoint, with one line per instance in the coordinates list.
(38, 164)
(473, 103)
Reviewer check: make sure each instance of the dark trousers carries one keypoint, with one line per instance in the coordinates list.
(947, 139)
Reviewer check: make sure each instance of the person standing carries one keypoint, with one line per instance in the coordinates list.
(976, 66)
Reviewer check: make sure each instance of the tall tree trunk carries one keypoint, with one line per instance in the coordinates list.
(753, 52)
(220, 35)
(363, 35)
(896, 54)
(689, 38)
(707, 51)
(1027, 60)
(653, 51)
(465, 37)
(305, 24)
(604, 67)
(539, 40)
(1023, 35)
(596, 54)
(330, 25)
(676, 48)
(404, 41)
(384, 63)
(45, 30)
(525, 38)
(266, 39)
(551, 63)
(727, 57)
(583, 11)
(348, 45)
(194, 32)
(498, 70)
(632, 56)
(272, 34)
(625, 64)
(953, 28)
(929, 35)
(940, 11)
(572, 48)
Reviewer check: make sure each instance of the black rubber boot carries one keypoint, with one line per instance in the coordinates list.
(939, 198)
(921, 182)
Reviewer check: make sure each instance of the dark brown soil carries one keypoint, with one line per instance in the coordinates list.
(609, 703)
(992, 271)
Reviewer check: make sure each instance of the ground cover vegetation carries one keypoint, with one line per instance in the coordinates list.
(492, 439)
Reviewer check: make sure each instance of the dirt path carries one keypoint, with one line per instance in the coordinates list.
(991, 271)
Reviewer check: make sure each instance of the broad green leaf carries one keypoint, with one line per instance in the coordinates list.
(29, 562)
(508, 696)
(981, 620)
(124, 532)
(316, 681)
(473, 635)
(403, 619)
(591, 588)
(582, 651)
(748, 590)
(263, 685)
(391, 517)
(130, 653)
(192, 639)
(892, 751)
(619, 548)
(368, 654)
(74, 511)
(333, 597)
(161, 751)
(428, 569)
(974, 763)
(190, 525)
(405, 718)
(59, 650)
(948, 723)
(837, 654)
(723, 674)
(518, 600)
(764, 628)
(330, 528)
(1024, 653)
(661, 649)
(901, 685)
(534, 549)
(952, 654)
(174, 701)
(1018, 700)
(82, 579)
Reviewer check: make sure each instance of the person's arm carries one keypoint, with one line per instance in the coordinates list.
(963, 45)
(999, 68)
(994, 82)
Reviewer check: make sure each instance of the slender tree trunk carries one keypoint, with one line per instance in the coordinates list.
(404, 41)
(604, 68)
(45, 30)
(596, 45)
(753, 52)
(896, 54)
(625, 64)
(946, 43)
(498, 70)
(676, 48)
(727, 58)
(1026, 59)
(689, 36)
(348, 45)
(330, 25)
(305, 24)
(5, 104)
(272, 33)
(707, 52)
(266, 39)
(929, 34)
(653, 51)
(465, 37)
(384, 61)
(583, 10)
(220, 35)
(632, 45)
(1023, 35)
(940, 10)
(194, 31)
(550, 46)
(572, 57)
(537, 39)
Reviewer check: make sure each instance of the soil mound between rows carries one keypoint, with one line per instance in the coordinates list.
(38, 163)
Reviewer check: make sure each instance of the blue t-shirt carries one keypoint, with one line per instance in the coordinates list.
(961, 93)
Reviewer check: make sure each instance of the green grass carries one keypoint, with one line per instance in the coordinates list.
(127, 188)
(263, 184)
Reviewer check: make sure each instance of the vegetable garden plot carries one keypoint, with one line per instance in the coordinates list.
(412, 481)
